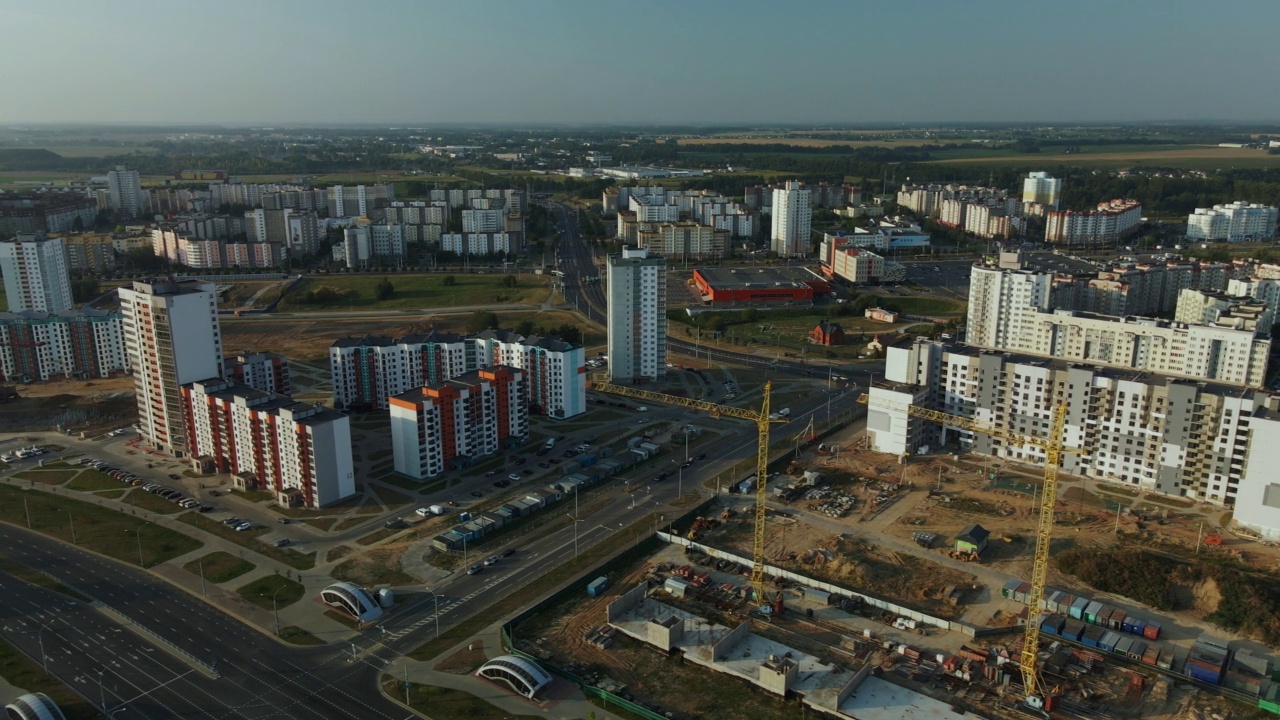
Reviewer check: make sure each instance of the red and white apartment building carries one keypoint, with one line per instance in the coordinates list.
(448, 425)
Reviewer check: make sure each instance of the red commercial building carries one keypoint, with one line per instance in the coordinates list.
(792, 285)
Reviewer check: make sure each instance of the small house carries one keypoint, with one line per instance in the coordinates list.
(972, 539)
(829, 334)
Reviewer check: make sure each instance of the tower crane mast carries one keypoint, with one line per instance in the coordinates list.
(1053, 448)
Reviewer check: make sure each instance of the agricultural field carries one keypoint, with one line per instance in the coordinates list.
(1192, 157)
(818, 143)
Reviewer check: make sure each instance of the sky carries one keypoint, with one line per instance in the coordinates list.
(736, 62)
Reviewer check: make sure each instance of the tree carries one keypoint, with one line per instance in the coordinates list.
(384, 290)
(84, 289)
(450, 281)
(525, 327)
(482, 320)
(510, 281)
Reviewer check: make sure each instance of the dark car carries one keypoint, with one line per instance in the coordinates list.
(474, 569)
(522, 461)
(543, 451)
(526, 471)
(477, 494)
(283, 521)
(174, 476)
(508, 552)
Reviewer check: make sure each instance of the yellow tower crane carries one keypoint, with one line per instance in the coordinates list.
(1053, 451)
(762, 420)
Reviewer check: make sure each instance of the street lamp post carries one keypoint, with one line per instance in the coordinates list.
(138, 532)
(102, 695)
(44, 659)
(436, 611)
(71, 519)
(274, 611)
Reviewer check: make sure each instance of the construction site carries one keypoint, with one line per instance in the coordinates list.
(855, 584)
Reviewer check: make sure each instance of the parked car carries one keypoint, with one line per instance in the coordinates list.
(544, 465)
(244, 526)
(232, 521)
(206, 508)
(174, 476)
(514, 477)
(282, 542)
(283, 521)
(508, 552)
(491, 473)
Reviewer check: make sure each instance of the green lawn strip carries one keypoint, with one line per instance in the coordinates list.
(413, 292)
(152, 502)
(400, 481)
(48, 477)
(371, 574)
(392, 499)
(110, 494)
(506, 606)
(379, 455)
(26, 574)
(246, 539)
(90, 480)
(434, 487)
(109, 532)
(438, 702)
(260, 591)
(20, 671)
(343, 618)
(219, 567)
(298, 636)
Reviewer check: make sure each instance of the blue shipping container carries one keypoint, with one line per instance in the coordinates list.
(1108, 641)
(586, 461)
(1203, 674)
(1077, 607)
(1138, 626)
(598, 586)
(1052, 624)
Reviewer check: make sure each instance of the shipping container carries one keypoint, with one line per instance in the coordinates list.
(1009, 588)
(1151, 631)
(1072, 629)
(1092, 635)
(1052, 624)
(1117, 620)
(1091, 612)
(1166, 659)
(1052, 600)
(598, 586)
(1139, 626)
(1123, 644)
(1021, 593)
(1103, 618)
(1249, 664)
(1077, 607)
(1064, 603)
(1151, 655)
(1203, 672)
(1137, 649)
(1109, 640)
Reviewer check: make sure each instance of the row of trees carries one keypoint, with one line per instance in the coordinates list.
(482, 320)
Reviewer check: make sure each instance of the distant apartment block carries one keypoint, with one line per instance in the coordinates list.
(93, 253)
(35, 274)
(368, 370)
(1042, 189)
(1108, 224)
(479, 243)
(45, 212)
(301, 453)
(760, 197)
(792, 217)
(265, 371)
(72, 344)
(452, 424)
(124, 192)
(889, 234)
(214, 253)
(858, 265)
(684, 240)
(927, 200)
(366, 244)
(1236, 222)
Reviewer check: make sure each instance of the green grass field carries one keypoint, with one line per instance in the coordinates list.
(420, 291)
(153, 503)
(260, 591)
(90, 480)
(1191, 157)
(219, 567)
(111, 533)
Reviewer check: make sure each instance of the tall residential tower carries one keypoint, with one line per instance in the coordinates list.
(637, 315)
(792, 217)
(172, 337)
(35, 274)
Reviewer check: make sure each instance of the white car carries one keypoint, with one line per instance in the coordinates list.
(244, 526)
(513, 477)
(423, 512)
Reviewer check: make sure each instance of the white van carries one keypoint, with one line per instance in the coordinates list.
(551, 442)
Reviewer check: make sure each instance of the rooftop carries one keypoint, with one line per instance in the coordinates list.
(730, 278)
(876, 699)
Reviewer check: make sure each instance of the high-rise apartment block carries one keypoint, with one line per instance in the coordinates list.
(1040, 188)
(124, 191)
(45, 212)
(76, 344)
(450, 425)
(1182, 437)
(35, 274)
(1109, 223)
(791, 220)
(367, 371)
(1034, 310)
(299, 452)
(1237, 222)
(637, 316)
(172, 336)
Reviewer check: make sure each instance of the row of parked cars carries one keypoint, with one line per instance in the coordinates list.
(129, 478)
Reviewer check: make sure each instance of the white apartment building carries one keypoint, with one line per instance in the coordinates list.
(684, 240)
(853, 264)
(35, 274)
(637, 315)
(1264, 289)
(1040, 188)
(348, 201)
(996, 297)
(653, 209)
(1109, 223)
(77, 344)
(988, 222)
(299, 452)
(792, 219)
(367, 371)
(124, 191)
(1171, 436)
(1203, 307)
(952, 212)
(484, 221)
(172, 336)
(448, 426)
(1238, 222)
(477, 243)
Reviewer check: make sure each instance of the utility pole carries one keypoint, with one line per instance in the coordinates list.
(28, 511)
(202, 588)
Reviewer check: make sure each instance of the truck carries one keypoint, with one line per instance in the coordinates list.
(431, 510)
